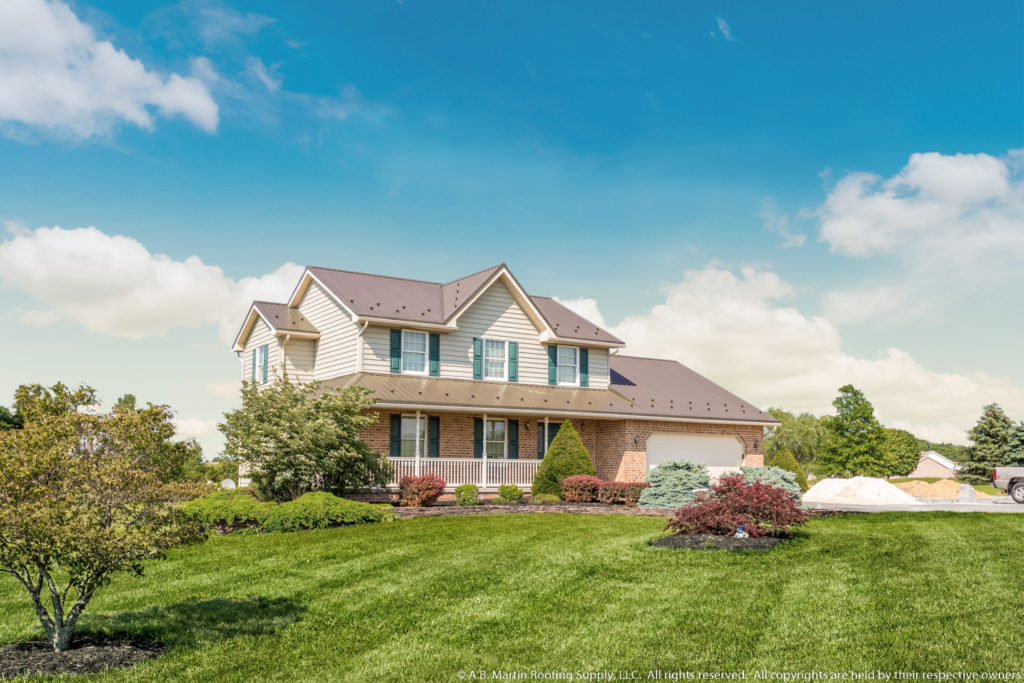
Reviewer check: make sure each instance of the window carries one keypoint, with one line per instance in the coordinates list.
(568, 365)
(259, 370)
(494, 439)
(495, 359)
(414, 352)
(409, 436)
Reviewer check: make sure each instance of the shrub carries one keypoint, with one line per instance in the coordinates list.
(545, 499)
(500, 500)
(581, 488)
(784, 460)
(565, 457)
(625, 492)
(673, 483)
(228, 510)
(773, 476)
(467, 494)
(422, 491)
(763, 509)
(319, 510)
(510, 492)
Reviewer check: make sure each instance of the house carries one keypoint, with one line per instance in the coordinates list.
(473, 378)
(934, 464)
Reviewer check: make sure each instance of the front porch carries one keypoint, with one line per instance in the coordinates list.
(487, 473)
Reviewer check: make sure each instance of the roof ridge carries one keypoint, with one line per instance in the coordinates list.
(263, 301)
(476, 273)
(664, 360)
(389, 277)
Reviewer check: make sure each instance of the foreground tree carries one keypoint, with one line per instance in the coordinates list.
(566, 457)
(802, 435)
(298, 437)
(83, 495)
(903, 452)
(989, 444)
(855, 443)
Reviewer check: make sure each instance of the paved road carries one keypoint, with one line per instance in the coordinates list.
(952, 506)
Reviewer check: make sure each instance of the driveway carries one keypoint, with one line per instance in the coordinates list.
(1006, 505)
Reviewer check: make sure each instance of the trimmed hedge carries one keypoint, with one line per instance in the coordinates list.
(773, 476)
(672, 484)
(320, 510)
(625, 492)
(420, 492)
(228, 510)
(565, 457)
(581, 488)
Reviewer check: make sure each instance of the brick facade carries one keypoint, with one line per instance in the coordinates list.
(617, 447)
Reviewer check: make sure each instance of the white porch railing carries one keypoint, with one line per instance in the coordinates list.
(484, 472)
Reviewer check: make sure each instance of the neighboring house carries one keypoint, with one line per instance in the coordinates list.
(472, 378)
(934, 464)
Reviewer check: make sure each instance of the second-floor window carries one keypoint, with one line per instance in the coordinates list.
(495, 359)
(260, 361)
(568, 365)
(414, 352)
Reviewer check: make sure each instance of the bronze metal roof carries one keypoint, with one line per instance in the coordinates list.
(283, 318)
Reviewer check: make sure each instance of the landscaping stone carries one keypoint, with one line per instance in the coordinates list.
(88, 654)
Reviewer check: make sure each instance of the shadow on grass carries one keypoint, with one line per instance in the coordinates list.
(199, 621)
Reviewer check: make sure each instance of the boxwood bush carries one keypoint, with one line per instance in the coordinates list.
(566, 456)
(228, 510)
(319, 510)
(510, 492)
(773, 476)
(467, 494)
(672, 484)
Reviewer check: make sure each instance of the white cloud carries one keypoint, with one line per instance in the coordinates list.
(848, 307)
(202, 430)
(723, 28)
(584, 306)
(269, 77)
(114, 285)
(731, 328)
(775, 220)
(219, 23)
(57, 76)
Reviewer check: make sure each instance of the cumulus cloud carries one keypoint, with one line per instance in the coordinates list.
(57, 76)
(112, 284)
(735, 329)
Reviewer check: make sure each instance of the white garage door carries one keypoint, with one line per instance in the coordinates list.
(720, 453)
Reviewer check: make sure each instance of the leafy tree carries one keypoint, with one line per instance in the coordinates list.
(297, 437)
(1015, 446)
(10, 419)
(221, 468)
(989, 443)
(855, 443)
(84, 494)
(903, 450)
(952, 451)
(802, 435)
(127, 402)
(566, 456)
(784, 460)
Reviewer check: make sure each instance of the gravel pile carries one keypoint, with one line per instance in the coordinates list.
(945, 488)
(858, 490)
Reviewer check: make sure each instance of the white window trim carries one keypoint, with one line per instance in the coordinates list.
(424, 438)
(426, 353)
(504, 451)
(559, 364)
(262, 358)
(504, 376)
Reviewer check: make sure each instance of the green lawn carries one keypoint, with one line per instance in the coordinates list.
(421, 599)
(980, 488)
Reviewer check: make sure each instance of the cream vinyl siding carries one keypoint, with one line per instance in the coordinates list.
(261, 334)
(599, 374)
(336, 348)
(377, 349)
(298, 359)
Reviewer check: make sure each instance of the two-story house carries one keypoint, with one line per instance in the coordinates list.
(472, 378)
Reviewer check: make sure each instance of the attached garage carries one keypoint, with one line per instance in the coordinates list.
(720, 453)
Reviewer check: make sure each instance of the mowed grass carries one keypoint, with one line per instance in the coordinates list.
(422, 599)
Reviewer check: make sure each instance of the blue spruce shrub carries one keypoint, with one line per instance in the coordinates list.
(773, 476)
(672, 484)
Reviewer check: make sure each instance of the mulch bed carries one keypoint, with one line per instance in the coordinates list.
(570, 508)
(88, 654)
(709, 542)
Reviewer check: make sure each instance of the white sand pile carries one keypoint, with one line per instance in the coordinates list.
(858, 490)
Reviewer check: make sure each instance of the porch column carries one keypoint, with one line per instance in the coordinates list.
(546, 439)
(417, 443)
(483, 465)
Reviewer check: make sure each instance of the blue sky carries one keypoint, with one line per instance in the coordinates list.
(698, 157)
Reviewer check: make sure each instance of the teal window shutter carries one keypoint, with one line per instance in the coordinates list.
(254, 365)
(266, 361)
(435, 355)
(513, 361)
(396, 435)
(540, 440)
(552, 364)
(584, 368)
(396, 350)
(478, 358)
(513, 439)
(478, 437)
(434, 436)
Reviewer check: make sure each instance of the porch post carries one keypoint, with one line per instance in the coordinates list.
(417, 443)
(546, 439)
(483, 465)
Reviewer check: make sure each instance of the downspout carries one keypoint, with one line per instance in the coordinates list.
(359, 346)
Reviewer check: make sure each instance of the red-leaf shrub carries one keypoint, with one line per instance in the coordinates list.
(581, 488)
(625, 492)
(762, 509)
(420, 492)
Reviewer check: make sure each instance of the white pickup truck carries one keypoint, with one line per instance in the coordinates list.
(1011, 480)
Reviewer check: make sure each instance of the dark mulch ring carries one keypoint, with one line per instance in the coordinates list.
(87, 654)
(710, 542)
